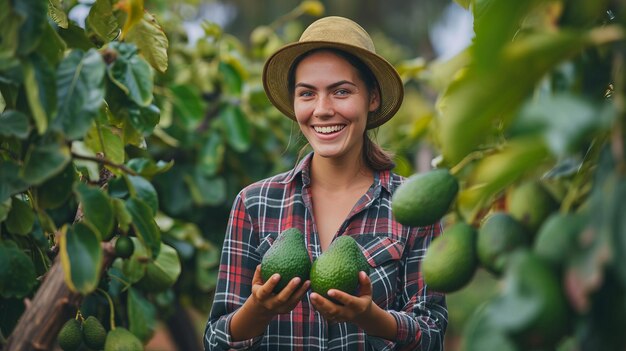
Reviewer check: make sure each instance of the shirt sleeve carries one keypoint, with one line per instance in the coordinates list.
(422, 316)
(234, 283)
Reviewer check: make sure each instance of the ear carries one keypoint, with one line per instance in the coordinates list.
(374, 100)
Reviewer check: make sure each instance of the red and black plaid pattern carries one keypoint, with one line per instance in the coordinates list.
(264, 209)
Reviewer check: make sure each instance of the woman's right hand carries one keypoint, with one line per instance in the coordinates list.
(270, 304)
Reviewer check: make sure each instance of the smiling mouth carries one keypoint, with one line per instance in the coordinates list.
(328, 129)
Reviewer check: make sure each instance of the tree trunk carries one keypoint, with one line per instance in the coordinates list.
(53, 304)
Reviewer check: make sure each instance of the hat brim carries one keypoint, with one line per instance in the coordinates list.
(277, 67)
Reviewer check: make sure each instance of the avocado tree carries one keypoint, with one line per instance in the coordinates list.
(531, 121)
(122, 144)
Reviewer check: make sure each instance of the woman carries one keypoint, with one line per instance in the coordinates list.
(333, 84)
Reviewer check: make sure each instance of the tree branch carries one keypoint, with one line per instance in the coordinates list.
(106, 162)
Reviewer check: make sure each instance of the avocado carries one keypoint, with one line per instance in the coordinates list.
(450, 260)
(120, 339)
(530, 203)
(424, 197)
(70, 336)
(338, 267)
(288, 257)
(94, 333)
(498, 236)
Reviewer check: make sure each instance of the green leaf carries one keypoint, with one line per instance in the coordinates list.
(481, 333)
(144, 190)
(141, 315)
(5, 208)
(473, 103)
(51, 47)
(147, 168)
(17, 272)
(134, 268)
(10, 180)
(174, 192)
(188, 105)
(80, 88)
(14, 123)
(75, 37)
(232, 78)
(90, 168)
(211, 155)
(205, 190)
(144, 224)
(39, 82)
(163, 272)
(57, 13)
(144, 119)
(56, 190)
(97, 208)
(102, 21)
(151, 41)
(131, 73)
(10, 22)
(21, 217)
(564, 120)
(124, 219)
(104, 139)
(498, 170)
(236, 128)
(81, 257)
(35, 13)
(44, 160)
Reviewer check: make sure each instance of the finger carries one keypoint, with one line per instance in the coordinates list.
(365, 284)
(321, 304)
(339, 297)
(288, 290)
(268, 288)
(257, 278)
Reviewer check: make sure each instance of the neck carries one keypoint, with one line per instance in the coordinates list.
(339, 174)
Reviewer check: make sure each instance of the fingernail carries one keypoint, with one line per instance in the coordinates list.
(331, 292)
(276, 277)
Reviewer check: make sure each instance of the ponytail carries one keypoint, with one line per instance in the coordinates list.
(375, 157)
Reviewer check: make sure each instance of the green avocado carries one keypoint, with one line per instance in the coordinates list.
(424, 197)
(530, 203)
(450, 261)
(338, 267)
(288, 257)
(94, 333)
(70, 337)
(120, 339)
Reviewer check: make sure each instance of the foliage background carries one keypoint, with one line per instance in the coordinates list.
(175, 142)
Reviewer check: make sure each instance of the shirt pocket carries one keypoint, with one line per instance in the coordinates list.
(383, 255)
(265, 244)
(379, 250)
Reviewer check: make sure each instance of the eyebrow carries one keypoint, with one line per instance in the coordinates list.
(333, 85)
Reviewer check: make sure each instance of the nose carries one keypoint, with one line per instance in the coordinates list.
(323, 107)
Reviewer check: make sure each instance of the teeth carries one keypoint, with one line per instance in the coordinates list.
(326, 130)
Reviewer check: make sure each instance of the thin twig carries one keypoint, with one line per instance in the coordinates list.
(106, 162)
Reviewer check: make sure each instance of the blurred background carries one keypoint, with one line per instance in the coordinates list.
(127, 127)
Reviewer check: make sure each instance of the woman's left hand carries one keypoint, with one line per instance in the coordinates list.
(350, 308)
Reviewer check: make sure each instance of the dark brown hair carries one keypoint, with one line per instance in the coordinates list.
(374, 155)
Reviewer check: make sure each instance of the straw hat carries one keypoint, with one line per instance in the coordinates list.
(340, 33)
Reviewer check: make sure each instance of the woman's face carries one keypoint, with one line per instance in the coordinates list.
(331, 103)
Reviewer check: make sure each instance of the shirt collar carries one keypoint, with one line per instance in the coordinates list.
(381, 178)
(304, 167)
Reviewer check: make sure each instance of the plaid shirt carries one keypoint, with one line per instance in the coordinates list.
(264, 209)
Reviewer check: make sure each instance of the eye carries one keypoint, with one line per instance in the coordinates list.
(304, 93)
(342, 91)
